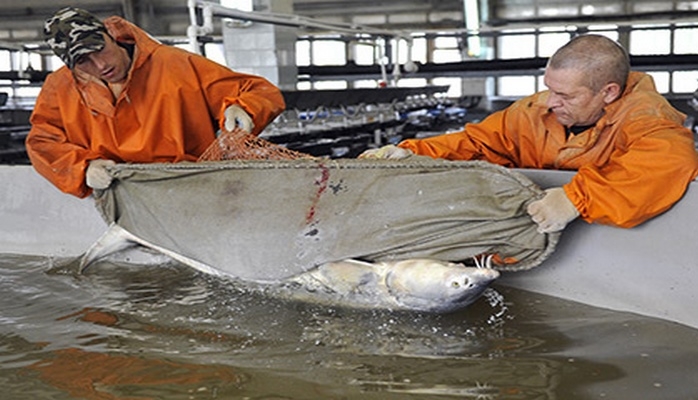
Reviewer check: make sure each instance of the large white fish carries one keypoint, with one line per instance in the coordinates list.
(415, 284)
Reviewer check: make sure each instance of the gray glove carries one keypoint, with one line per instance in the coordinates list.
(389, 152)
(97, 176)
(553, 212)
(236, 116)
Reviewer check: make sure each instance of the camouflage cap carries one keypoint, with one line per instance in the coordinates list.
(73, 32)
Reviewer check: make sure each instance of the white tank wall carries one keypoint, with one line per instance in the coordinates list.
(36, 218)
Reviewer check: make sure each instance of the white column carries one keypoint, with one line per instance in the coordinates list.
(263, 49)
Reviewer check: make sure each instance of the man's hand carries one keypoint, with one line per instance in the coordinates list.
(97, 176)
(389, 152)
(236, 116)
(553, 212)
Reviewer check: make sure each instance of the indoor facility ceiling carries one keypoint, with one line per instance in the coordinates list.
(21, 21)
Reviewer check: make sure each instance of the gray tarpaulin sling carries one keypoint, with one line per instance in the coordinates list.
(269, 220)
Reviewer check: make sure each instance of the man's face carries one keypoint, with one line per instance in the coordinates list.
(572, 102)
(111, 64)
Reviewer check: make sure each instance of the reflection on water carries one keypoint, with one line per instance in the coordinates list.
(168, 332)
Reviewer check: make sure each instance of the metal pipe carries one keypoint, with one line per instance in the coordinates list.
(207, 28)
(193, 28)
(297, 21)
(472, 24)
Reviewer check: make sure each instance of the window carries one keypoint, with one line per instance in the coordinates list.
(303, 53)
(419, 49)
(215, 52)
(661, 81)
(548, 43)
(610, 31)
(446, 50)
(446, 56)
(685, 41)
(684, 81)
(650, 41)
(365, 84)
(516, 44)
(412, 82)
(365, 53)
(330, 85)
(5, 60)
(329, 52)
(516, 86)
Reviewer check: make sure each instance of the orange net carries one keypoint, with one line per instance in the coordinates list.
(238, 144)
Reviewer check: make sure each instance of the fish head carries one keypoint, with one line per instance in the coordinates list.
(436, 286)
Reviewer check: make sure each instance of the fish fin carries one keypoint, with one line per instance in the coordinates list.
(117, 238)
(113, 240)
(485, 261)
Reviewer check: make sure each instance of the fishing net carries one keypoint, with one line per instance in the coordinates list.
(259, 211)
(238, 144)
(268, 220)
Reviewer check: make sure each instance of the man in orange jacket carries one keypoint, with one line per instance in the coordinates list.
(633, 155)
(125, 97)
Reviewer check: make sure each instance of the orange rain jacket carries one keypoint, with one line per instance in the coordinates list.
(168, 111)
(632, 165)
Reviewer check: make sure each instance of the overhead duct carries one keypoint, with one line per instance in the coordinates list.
(471, 9)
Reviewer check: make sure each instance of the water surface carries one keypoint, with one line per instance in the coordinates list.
(169, 332)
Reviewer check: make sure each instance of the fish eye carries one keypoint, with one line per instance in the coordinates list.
(455, 284)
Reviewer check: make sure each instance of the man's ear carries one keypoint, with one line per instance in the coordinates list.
(611, 92)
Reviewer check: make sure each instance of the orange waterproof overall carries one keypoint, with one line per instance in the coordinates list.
(168, 110)
(635, 163)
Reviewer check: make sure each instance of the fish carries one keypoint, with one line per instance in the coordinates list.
(427, 285)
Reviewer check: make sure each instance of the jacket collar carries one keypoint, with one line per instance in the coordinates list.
(637, 82)
(126, 32)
